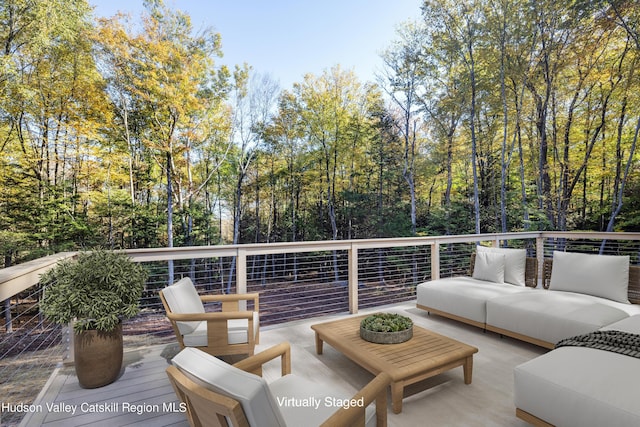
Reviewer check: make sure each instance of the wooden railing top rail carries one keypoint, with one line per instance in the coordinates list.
(18, 278)
(160, 254)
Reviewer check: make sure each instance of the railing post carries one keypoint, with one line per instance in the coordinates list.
(353, 279)
(241, 275)
(435, 260)
(540, 257)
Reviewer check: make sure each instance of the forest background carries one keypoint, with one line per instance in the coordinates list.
(490, 116)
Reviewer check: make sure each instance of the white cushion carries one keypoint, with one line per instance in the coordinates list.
(580, 387)
(252, 391)
(237, 332)
(630, 324)
(515, 263)
(603, 276)
(182, 297)
(462, 296)
(551, 316)
(489, 266)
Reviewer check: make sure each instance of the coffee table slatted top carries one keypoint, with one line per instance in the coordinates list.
(398, 360)
(426, 354)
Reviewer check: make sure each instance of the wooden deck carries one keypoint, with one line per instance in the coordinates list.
(141, 396)
(443, 400)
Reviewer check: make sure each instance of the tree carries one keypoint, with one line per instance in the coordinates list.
(404, 82)
(458, 24)
(254, 99)
(167, 73)
(52, 106)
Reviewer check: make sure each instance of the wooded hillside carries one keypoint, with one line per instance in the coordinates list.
(490, 115)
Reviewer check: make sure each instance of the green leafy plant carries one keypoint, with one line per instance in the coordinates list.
(96, 290)
(386, 322)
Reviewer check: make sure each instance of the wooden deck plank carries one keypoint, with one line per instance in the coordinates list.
(141, 396)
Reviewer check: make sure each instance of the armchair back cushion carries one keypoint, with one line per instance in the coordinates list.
(515, 263)
(259, 405)
(605, 276)
(182, 297)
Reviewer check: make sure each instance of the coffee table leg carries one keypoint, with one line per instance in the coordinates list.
(468, 369)
(318, 344)
(397, 393)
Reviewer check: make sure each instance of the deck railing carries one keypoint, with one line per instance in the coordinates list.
(295, 280)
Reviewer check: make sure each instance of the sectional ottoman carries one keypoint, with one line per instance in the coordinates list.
(581, 387)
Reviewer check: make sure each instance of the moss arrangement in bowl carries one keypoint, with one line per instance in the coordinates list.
(386, 328)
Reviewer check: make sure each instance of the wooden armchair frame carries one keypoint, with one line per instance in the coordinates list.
(206, 407)
(217, 323)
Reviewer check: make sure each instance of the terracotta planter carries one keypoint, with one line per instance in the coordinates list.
(98, 357)
(386, 337)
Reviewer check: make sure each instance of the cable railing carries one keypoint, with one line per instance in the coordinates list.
(295, 281)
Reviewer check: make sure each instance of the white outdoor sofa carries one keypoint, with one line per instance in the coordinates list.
(581, 293)
(571, 385)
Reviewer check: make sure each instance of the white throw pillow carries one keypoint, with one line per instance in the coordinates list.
(515, 263)
(489, 266)
(604, 276)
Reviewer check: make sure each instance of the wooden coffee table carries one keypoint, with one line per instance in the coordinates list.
(423, 356)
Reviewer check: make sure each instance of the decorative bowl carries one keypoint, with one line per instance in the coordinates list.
(386, 328)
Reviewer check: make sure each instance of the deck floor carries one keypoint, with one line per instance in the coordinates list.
(143, 396)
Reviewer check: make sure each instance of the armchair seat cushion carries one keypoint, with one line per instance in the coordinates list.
(237, 332)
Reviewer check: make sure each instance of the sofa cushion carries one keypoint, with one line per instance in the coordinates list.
(630, 324)
(581, 387)
(462, 296)
(489, 266)
(515, 263)
(551, 316)
(603, 276)
(182, 297)
(252, 391)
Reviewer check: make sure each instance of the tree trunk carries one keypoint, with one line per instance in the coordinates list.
(472, 113)
(169, 215)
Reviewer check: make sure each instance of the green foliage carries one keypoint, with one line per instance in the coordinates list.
(386, 322)
(97, 290)
(83, 160)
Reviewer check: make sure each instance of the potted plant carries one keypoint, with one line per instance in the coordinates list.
(386, 328)
(95, 291)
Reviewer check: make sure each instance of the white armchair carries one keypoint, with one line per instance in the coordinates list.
(220, 394)
(230, 331)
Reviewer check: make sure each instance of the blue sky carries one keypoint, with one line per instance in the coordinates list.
(287, 39)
